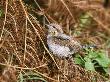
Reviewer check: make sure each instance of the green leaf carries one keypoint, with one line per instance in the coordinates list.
(89, 65)
(1, 12)
(84, 20)
(79, 60)
(103, 60)
(21, 77)
(92, 54)
(105, 69)
(30, 76)
(34, 76)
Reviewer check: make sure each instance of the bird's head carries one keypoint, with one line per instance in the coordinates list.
(54, 29)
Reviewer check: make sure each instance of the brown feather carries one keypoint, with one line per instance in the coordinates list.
(66, 42)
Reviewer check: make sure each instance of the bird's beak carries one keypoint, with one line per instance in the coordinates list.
(47, 25)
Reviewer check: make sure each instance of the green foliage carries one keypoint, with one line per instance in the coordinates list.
(79, 60)
(84, 20)
(108, 81)
(1, 13)
(88, 64)
(93, 59)
(30, 76)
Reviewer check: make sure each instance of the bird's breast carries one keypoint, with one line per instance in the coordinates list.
(61, 51)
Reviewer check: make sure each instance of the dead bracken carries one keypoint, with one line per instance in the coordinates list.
(24, 52)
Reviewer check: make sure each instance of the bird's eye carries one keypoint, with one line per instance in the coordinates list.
(53, 26)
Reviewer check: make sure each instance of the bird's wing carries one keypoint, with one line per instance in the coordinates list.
(64, 36)
(75, 47)
(66, 41)
(61, 40)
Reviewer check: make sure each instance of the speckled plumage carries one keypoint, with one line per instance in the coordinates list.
(59, 43)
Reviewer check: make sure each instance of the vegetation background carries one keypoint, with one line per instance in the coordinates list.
(24, 54)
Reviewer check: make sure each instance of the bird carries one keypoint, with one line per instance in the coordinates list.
(63, 47)
(59, 43)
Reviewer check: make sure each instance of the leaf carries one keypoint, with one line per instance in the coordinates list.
(103, 60)
(89, 65)
(1, 12)
(31, 74)
(92, 54)
(79, 60)
(34, 76)
(105, 69)
(21, 77)
(85, 20)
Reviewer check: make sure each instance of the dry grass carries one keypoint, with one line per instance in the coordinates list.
(23, 45)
